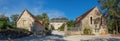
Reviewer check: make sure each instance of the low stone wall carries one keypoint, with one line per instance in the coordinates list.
(73, 33)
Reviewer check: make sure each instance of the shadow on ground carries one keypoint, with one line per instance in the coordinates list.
(103, 39)
(41, 38)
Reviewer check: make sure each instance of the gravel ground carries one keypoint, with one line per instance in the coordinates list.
(59, 36)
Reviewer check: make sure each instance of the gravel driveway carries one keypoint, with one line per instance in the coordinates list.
(59, 36)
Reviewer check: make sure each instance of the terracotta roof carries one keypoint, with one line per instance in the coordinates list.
(36, 20)
(82, 16)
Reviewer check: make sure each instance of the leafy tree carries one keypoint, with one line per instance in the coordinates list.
(4, 22)
(70, 24)
(39, 17)
(62, 27)
(14, 18)
(112, 10)
(44, 17)
(52, 27)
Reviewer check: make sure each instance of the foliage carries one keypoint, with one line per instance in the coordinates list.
(70, 24)
(62, 27)
(44, 17)
(4, 22)
(39, 17)
(87, 31)
(14, 33)
(14, 18)
(52, 27)
(112, 10)
(45, 21)
(4, 18)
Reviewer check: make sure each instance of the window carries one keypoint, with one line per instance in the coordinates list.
(91, 20)
(24, 22)
(96, 30)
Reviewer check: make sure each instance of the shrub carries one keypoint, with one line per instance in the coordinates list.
(52, 27)
(62, 27)
(87, 31)
(13, 33)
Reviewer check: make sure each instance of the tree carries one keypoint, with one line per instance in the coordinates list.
(39, 17)
(14, 18)
(70, 24)
(52, 27)
(44, 17)
(112, 10)
(62, 27)
(4, 22)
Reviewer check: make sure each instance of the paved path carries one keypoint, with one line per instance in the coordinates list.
(59, 36)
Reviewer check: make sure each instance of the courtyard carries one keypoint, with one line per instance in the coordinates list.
(59, 36)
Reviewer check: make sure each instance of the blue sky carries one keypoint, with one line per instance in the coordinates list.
(54, 8)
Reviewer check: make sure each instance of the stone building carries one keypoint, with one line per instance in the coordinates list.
(58, 22)
(94, 20)
(29, 22)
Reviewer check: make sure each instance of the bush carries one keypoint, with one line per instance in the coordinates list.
(5, 25)
(13, 33)
(47, 31)
(62, 27)
(87, 31)
(52, 27)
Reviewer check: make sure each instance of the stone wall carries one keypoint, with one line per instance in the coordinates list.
(86, 22)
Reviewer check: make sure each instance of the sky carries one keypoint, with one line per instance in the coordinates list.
(70, 9)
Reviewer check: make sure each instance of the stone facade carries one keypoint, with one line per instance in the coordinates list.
(58, 22)
(29, 22)
(94, 20)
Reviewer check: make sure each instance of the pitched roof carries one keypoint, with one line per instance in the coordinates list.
(36, 20)
(84, 15)
(63, 18)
